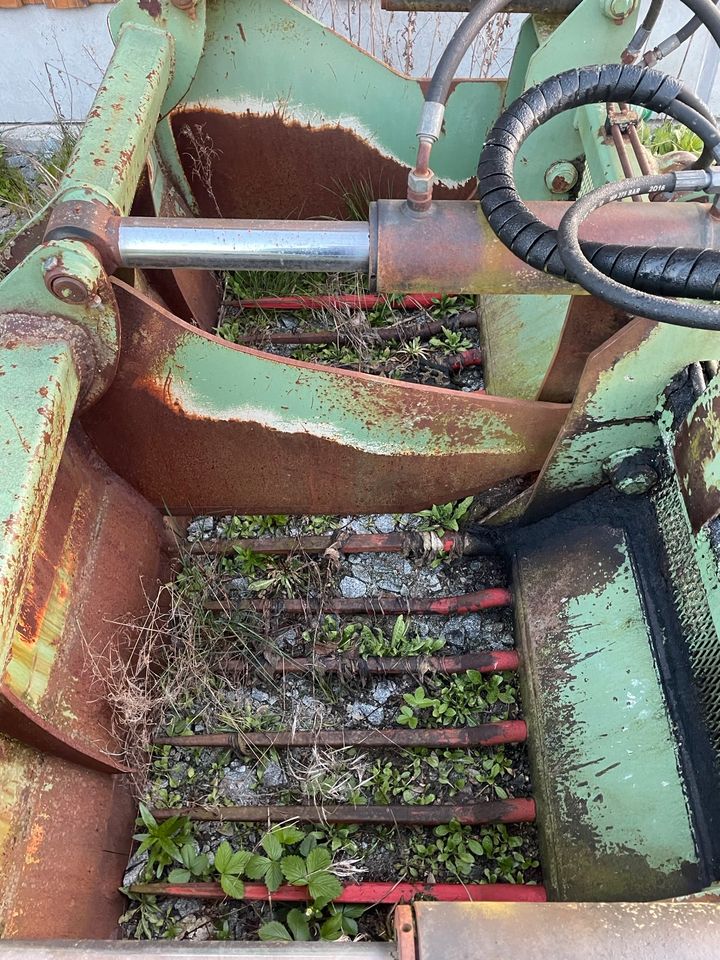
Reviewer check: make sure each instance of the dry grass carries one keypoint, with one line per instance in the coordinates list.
(410, 42)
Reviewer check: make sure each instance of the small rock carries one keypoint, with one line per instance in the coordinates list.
(390, 584)
(385, 523)
(238, 784)
(362, 712)
(274, 775)
(352, 587)
(184, 908)
(135, 869)
(239, 585)
(384, 689)
(408, 568)
(201, 529)
(290, 637)
(259, 696)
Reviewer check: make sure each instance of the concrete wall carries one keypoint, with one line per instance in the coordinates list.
(51, 61)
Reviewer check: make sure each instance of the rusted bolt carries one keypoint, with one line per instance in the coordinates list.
(184, 4)
(68, 289)
(618, 10)
(561, 176)
(631, 472)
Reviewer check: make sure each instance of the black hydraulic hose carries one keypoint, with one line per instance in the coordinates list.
(642, 34)
(674, 41)
(447, 66)
(634, 301)
(535, 242)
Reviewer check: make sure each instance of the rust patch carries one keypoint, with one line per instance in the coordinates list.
(267, 166)
(153, 7)
(195, 462)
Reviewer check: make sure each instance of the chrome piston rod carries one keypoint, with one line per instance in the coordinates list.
(296, 245)
(449, 249)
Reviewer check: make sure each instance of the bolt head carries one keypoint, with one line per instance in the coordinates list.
(630, 472)
(69, 289)
(618, 9)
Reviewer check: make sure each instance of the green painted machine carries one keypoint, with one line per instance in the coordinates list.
(224, 136)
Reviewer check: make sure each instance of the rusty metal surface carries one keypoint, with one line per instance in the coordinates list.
(604, 754)
(262, 180)
(484, 661)
(483, 735)
(221, 441)
(489, 599)
(453, 248)
(589, 322)
(614, 405)
(428, 815)
(96, 530)
(404, 927)
(189, 950)
(71, 837)
(568, 931)
(696, 452)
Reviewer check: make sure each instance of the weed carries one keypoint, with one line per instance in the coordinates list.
(370, 641)
(459, 699)
(445, 516)
(162, 841)
(451, 341)
(668, 137)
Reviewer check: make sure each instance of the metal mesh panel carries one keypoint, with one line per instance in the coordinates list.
(688, 557)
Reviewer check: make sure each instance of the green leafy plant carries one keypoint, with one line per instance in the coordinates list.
(245, 562)
(403, 640)
(668, 137)
(163, 841)
(459, 699)
(444, 516)
(417, 700)
(195, 865)
(313, 923)
(230, 865)
(269, 867)
(314, 873)
(450, 306)
(451, 341)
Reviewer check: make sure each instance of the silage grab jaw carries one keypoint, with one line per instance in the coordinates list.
(119, 407)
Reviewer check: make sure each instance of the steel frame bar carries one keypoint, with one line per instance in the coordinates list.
(520, 810)
(483, 735)
(110, 153)
(485, 661)
(489, 599)
(365, 892)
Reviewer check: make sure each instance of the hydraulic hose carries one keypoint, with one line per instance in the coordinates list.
(431, 119)
(447, 66)
(535, 242)
(674, 41)
(696, 281)
(642, 34)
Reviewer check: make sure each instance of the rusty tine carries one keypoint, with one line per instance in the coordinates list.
(374, 606)
(482, 735)
(472, 544)
(484, 661)
(520, 810)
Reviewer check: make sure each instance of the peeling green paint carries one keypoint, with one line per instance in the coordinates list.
(613, 812)
(38, 390)
(206, 378)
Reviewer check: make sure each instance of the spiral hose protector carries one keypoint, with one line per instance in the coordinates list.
(669, 271)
